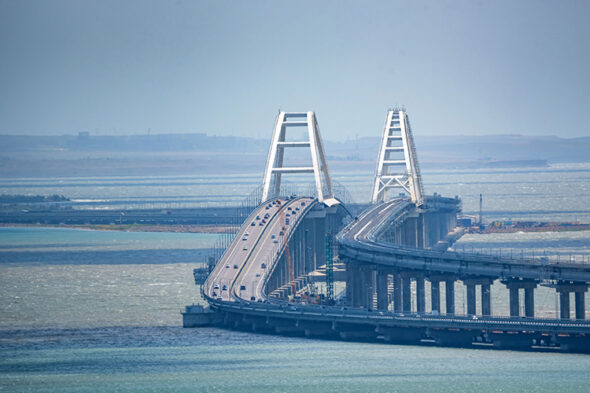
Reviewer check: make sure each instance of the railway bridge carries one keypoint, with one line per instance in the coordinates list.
(287, 241)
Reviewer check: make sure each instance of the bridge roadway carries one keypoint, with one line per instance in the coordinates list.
(243, 302)
(247, 263)
(359, 241)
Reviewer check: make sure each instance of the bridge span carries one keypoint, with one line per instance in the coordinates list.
(258, 282)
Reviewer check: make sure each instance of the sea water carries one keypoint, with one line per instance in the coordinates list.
(87, 311)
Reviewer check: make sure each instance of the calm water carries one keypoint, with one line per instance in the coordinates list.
(100, 311)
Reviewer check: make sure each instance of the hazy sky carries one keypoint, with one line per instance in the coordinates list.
(226, 67)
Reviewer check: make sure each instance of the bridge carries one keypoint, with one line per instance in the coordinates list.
(261, 282)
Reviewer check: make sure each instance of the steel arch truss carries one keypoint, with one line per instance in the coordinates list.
(271, 184)
(397, 164)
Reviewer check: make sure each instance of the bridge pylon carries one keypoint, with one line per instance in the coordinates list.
(397, 164)
(275, 168)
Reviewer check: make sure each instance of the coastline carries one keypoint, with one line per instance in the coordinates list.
(129, 227)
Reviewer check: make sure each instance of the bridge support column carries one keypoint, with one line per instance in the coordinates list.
(564, 305)
(580, 306)
(308, 254)
(349, 282)
(486, 300)
(368, 287)
(406, 293)
(529, 296)
(420, 295)
(319, 242)
(397, 292)
(470, 299)
(529, 302)
(564, 289)
(450, 295)
(382, 298)
(353, 275)
(514, 302)
(435, 295)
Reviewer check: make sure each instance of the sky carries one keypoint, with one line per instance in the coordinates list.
(227, 67)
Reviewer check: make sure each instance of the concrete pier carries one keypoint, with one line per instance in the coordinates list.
(514, 285)
(470, 299)
(406, 293)
(382, 298)
(450, 295)
(564, 289)
(397, 292)
(435, 295)
(486, 300)
(564, 305)
(420, 295)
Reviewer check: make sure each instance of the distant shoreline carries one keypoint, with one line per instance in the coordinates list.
(130, 227)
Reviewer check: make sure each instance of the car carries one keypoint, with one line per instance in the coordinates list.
(272, 236)
(261, 223)
(245, 238)
(263, 266)
(286, 221)
(267, 208)
(258, 217)
(257, 274)
(281, 233)
(275, 241)
(227, 266)
(297, 208)
(289, 208)
(235, 266)
(253, 298)
(245, 248)
(302, 203)
(224, 288)
(214, 294)
(216, 286)
(242, 287)
(219, 298)
(259, 300)
(288, 215)
(253, 224)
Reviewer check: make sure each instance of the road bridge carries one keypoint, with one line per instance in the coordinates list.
(256, 283)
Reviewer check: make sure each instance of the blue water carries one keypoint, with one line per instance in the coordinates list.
(172, 359)
(20, 245)
(86, 311)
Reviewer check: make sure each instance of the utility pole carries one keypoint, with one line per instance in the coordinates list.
(480, 208)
